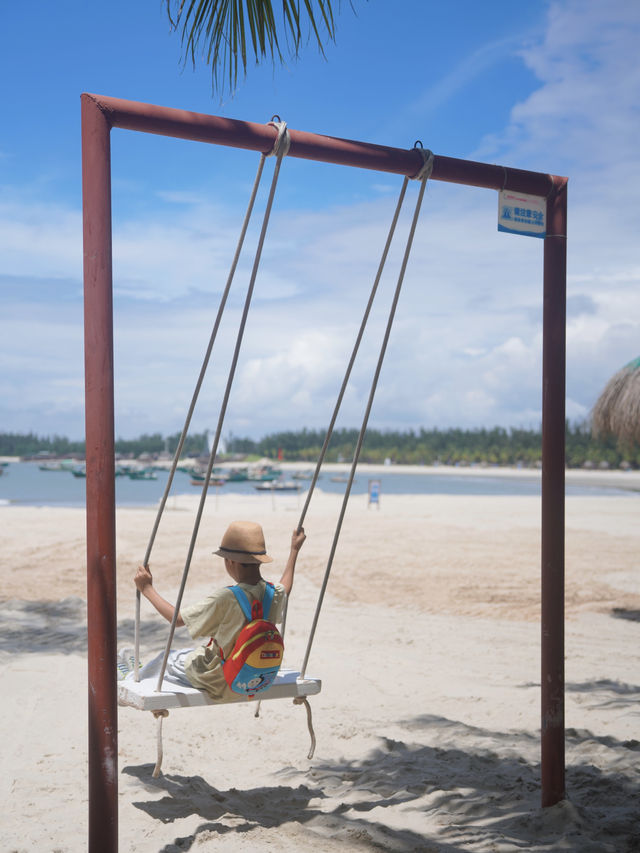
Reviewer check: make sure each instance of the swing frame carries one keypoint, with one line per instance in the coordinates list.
(99, 114)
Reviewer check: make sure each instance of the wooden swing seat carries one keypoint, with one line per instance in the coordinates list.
(143, 695)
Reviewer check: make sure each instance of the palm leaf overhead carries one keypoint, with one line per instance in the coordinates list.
(228, 34)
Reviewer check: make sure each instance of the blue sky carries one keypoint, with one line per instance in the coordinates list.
(548, 86)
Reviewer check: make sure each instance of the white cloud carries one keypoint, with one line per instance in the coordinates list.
(584, 115)
(466, 71)
(466, 346)
(582, 121)
(39, 239)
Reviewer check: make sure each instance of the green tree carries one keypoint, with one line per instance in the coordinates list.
(228, 33)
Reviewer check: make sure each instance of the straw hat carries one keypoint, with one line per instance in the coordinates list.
(243, 542)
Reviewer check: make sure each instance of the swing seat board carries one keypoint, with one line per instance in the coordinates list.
(144, 696)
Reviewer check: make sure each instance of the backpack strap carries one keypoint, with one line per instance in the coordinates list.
(257, 610)
(267, 599)
(243, 601)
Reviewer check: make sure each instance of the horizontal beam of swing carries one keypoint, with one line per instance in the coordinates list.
(199, 127)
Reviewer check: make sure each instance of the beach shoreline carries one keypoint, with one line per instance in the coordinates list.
(603, 478)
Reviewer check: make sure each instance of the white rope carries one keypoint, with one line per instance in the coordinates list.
(363, 428)
(299, 700)
(159, 715)
(356, 346)
(223, 409)
(280, 149)
(423, 174)
(426, 169)
(345, 382)
(185, 428)
(302, 700)
(283, 141)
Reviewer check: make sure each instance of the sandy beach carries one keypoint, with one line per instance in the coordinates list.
(428, 648)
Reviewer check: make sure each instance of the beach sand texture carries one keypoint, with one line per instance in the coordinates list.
(428, 648)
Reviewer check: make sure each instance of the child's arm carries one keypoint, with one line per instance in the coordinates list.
(297, 540)
(144, 582)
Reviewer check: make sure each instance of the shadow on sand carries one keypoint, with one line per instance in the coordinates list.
(268, 807)
(475, 786)
(60, 627)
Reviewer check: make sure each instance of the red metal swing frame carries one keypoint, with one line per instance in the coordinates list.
(99, 115)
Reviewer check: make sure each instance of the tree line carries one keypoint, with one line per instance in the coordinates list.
(497, 446)
(30, 444)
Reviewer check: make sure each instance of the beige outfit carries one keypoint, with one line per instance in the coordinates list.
(220, 618)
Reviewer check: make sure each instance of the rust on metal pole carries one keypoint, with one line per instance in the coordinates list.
(553, 466)
(100, 499)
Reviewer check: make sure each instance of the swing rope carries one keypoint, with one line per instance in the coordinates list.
(347, 375)
(424, 172)
(185, 428)
(423, 175)
(159, 715)
(280, 149)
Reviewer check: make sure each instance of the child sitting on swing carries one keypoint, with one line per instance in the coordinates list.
(219, 617)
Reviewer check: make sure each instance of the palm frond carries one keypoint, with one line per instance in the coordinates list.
(228, 33)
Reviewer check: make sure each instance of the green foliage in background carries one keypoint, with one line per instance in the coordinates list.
(29, 444)
(497, 446)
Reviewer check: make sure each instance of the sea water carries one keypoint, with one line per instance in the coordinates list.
(26, 484)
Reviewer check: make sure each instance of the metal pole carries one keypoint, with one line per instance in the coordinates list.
(200, 127)
(553, 466)
(100, 501)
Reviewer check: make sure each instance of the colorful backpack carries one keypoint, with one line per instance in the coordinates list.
(257, 654)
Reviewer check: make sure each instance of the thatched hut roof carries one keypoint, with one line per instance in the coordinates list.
(617, 410)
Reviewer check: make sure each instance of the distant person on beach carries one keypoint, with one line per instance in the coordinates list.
(219, 617)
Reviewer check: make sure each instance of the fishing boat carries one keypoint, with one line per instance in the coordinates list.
(57, 465)
(123, 469)
(143, 474)
(237, 475)
(218, 477)
(277, 486)
(214, 481)
(264, 475)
